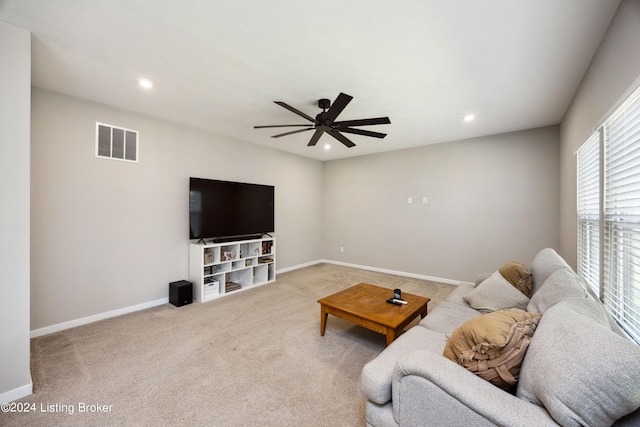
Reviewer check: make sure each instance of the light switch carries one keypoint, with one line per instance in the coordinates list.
(424, 200)
(410, 200)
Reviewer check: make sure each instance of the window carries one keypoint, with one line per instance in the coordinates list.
(589, 212)
(116, 143)
(609, 214)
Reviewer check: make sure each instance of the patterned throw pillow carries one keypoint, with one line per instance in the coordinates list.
(493, 345)
(519, 276)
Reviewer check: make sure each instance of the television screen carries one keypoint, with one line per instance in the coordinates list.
(224, 209)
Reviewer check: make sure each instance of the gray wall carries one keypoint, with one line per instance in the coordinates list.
(107, 235)
(15, 87)
(613, 74)
(489, 201)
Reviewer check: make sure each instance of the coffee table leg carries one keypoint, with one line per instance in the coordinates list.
(323, 319)
(391, 335)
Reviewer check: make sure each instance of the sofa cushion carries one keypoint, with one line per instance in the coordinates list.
(519, 276)
(544, 264)
(612, 322)
(495, 293)
(492, 335)
(447, 316)
(561, 284)
(578, 369)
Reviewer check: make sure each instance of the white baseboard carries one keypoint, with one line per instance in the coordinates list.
(397, 273)
(296, 267)
(101, 316)
(376, 269)
(17, 393)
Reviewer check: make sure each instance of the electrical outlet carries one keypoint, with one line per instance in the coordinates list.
(341, 249)
(424, 200)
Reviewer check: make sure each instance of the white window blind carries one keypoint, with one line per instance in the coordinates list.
(608, 214)
(589, 212)
(622, 216)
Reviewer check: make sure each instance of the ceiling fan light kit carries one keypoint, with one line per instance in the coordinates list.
(325, 121)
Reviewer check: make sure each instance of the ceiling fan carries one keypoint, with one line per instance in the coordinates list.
(326, 122)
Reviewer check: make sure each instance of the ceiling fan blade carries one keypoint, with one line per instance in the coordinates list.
(316, 136)
(363, 122)
(293, 110)
(338, 105)
(363, 132)
(280, 126)
(340, 137)
(291, 133)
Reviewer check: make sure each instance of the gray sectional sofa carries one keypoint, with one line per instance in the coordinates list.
(579, 368)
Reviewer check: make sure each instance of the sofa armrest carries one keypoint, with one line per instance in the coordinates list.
(428, 386)
(377, 375)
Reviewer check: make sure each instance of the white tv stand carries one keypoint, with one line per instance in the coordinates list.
(217, 269)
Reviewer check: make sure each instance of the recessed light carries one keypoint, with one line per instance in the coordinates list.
(469, 117)
(145, 83)
(327, 146)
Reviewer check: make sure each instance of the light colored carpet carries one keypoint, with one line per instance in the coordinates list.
(252, 358)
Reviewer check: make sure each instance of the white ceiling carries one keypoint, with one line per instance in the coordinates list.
(218, 65)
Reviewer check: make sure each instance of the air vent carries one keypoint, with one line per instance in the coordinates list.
(116, 143)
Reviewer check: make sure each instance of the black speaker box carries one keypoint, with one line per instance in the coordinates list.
(180, 293)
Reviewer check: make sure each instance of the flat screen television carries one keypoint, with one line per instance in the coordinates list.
(225, 210)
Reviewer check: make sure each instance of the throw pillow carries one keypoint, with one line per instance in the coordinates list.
(578, 369)
(560, 285)
(495, 293)
(519, 276)
(544, 264)
(493, 345)
(481, 278)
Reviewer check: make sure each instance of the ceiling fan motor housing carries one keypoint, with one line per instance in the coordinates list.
(324, 103)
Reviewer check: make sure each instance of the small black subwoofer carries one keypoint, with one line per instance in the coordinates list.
(180, 293)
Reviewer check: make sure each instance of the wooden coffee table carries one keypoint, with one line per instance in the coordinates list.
(366, 305)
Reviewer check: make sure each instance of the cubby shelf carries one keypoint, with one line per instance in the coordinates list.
(217, 269)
